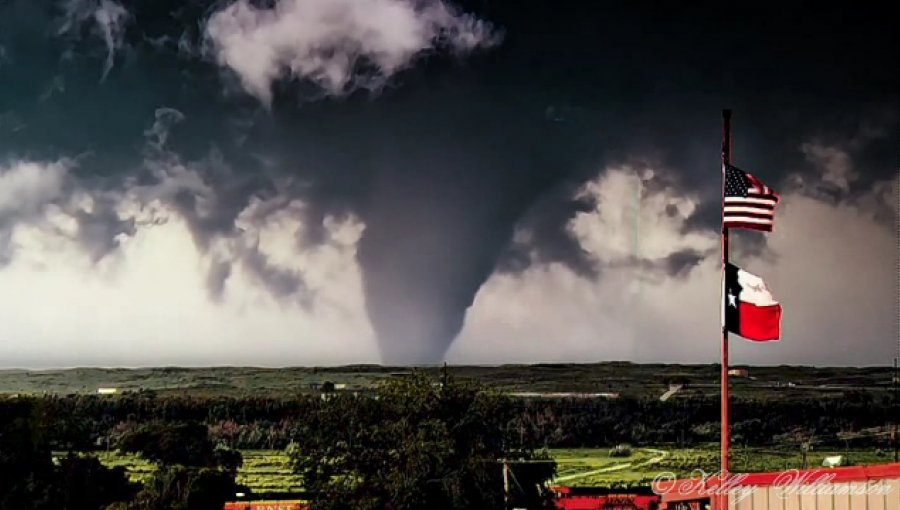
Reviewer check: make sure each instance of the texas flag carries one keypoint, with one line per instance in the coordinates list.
(750, 310)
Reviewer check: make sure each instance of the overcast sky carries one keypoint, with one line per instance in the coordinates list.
(308, 182)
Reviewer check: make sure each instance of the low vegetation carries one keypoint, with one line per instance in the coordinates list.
(625, 379)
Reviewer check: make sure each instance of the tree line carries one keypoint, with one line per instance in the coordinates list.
(87, 422)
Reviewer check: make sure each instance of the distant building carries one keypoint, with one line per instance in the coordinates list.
(739, 372)
(107, 391)
(835, 461)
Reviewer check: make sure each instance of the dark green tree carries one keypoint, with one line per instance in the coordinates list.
(228, 459)
(27, 474)
(86, 484)
(185, 444)
(193, 475)
(185, 488)
(417, 443)
(30, 481)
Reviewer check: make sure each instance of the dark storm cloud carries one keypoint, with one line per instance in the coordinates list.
(280, 282)
(546, 238)
(677, 265)
(681, 262)
(6, 253)
(216, 278)
(209, 194)
(454, 154)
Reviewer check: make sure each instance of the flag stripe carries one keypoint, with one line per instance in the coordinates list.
(748, 219)
(749, 226)
(747, 211)
(759, 202)
(760, 323)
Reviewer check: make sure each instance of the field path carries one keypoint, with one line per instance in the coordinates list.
(659, 456)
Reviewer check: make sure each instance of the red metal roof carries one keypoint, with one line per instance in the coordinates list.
(267, 505)
(609, 501)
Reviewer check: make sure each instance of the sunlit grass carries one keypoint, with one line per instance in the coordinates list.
(266, 471)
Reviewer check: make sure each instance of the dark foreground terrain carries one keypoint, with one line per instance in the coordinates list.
(368, 436)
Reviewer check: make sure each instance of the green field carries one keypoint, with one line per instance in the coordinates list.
(266, 471)
(595, 468)
(590, 467)
(263, 470)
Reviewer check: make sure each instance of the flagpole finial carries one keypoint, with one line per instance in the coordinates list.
(726, 136)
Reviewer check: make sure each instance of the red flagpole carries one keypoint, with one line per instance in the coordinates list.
(726, 425)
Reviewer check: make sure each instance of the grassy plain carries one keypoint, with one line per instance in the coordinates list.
(595, 468)
(627, 379)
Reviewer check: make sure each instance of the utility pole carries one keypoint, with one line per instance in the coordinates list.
(505, 484)
(445, 377)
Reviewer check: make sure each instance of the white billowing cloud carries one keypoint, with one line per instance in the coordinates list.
(832, 266)
(338, 45)
(27, 186)
(629, 223)
(326, 264)
(148, 304)
(549, 312)
(108, 20)
(836, 275)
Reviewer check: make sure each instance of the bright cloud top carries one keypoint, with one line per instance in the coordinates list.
(27, 186)
(338, 45)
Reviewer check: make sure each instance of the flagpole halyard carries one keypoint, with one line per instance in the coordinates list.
(726, 426)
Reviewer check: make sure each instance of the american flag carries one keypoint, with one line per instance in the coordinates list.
(748, 202)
